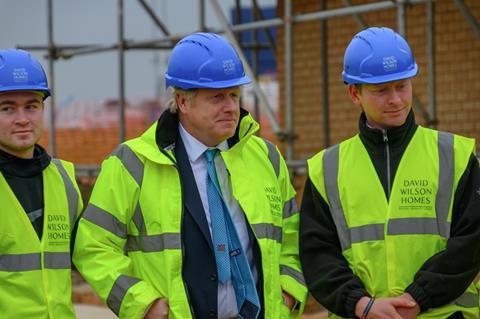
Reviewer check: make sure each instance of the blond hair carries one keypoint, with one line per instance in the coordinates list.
(172, 101)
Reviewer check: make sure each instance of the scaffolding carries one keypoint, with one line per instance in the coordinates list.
(287, 134)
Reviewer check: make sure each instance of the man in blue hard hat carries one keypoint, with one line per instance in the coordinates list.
(197, 217)
(390, 223)
(39, 199)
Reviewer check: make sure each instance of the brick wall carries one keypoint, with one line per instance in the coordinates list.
(88, 146)
(457, 68)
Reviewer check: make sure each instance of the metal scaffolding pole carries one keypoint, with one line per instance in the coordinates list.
(288, 79)
(258, 91)
(154, 17)
(255, 61)
(376, 6)
(238, 20)
(356, 16)
(432, 99)
(267, 32)
(469, 17)
(324, 78)
(401, 17)
(201, 17)
(121, 71)
(52, 142)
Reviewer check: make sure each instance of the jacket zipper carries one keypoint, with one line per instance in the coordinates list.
(387, 151)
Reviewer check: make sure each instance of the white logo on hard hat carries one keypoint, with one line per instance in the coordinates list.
(389, 63)
(20, 75)
(228, 66)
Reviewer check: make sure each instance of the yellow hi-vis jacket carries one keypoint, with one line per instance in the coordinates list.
(35, 277)
(129, 245)
(386, 241)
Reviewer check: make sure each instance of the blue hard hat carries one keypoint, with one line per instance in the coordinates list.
(19, 71)
(378, 55)
(204, 60)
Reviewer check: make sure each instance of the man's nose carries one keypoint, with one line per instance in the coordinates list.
(231, 103)
(21, 117)
(394, 97)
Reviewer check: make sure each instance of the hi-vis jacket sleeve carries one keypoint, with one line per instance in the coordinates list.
(101, 237)
(291, 276)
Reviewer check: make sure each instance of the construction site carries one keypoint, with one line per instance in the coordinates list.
(292, 49)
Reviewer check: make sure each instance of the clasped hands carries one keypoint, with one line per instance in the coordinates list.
(401, 307)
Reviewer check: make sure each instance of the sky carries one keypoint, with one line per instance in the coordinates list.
(94, 77)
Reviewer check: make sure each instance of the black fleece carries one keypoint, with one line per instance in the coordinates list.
(441, 279)
(24, 176)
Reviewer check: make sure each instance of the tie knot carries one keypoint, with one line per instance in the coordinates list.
(210, 154)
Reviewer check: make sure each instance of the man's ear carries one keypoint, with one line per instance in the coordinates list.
(354, 92)
(181, 102)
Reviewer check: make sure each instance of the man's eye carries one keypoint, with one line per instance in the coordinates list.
(6, 109)
(32, 107)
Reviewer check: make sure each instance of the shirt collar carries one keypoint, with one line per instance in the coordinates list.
(194, 147)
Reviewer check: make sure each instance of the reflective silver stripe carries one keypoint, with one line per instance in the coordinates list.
(135, 168)
(138, 220)
(412, 226)
(72, 194)
(367, 232)
(105, 220)
(20, 262)
(290, 208)
(118, 292)
(57, 260)
(34, 215)
(273, 156)
(295, 274)
(445, 181)
(468, 300)
(268, 231)
(330, 169)
(153, 243)
(131, 162)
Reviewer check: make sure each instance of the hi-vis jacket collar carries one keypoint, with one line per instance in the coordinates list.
(165, 134)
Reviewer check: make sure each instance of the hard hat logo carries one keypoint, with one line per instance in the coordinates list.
(389, 64)
(228, 67)
(20, 75)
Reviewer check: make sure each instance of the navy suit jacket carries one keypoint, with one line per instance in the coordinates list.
(199, 268)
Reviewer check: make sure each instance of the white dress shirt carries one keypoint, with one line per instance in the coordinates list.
(227, 304)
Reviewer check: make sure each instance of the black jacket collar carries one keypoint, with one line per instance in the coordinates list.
(397, 136)
(21, 167)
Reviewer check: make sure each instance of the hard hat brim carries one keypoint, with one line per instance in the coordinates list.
(365, 79)
(41, 89)
(187, 85)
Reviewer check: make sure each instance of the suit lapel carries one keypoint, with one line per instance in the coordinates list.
(191, 198)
